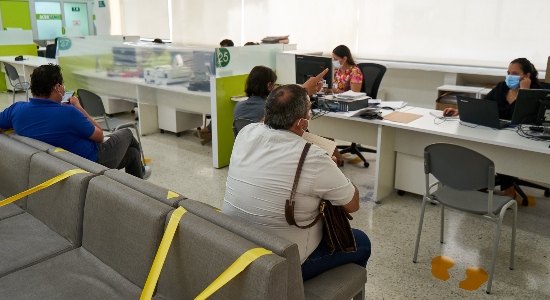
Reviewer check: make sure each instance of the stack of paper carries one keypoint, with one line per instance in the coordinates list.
(350, 95)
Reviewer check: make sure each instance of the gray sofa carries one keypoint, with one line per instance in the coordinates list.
(95, 235)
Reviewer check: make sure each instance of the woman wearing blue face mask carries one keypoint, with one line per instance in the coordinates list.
(521, 75)
(347, 75)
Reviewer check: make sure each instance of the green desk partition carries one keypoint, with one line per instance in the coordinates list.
(226, 88)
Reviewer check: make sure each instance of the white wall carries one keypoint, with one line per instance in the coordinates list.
(487, 33)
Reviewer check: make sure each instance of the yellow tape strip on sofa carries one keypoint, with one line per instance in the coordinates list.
(237, 267)
(160, 257)
(41, 186)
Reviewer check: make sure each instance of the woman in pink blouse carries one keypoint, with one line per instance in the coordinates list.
(347, 75)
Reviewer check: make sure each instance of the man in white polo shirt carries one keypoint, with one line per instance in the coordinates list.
(261, 174)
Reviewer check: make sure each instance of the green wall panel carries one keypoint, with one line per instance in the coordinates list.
(16, 14)
(225, 89)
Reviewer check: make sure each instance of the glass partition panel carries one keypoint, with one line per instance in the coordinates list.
(233, 61)
(48, 20)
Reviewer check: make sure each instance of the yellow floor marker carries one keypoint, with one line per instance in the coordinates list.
(441, 266)
(355, 161)
(147, 160)
(530, 200)
(475, 277)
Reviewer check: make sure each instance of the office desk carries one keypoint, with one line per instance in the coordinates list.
(171, 108)
(400, 156)
(26, 66)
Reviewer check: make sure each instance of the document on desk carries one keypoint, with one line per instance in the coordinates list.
(320, 141)
(401, 117)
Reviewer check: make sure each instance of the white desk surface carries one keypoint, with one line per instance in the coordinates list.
(452, 128)
(141, 82)
(33, 61)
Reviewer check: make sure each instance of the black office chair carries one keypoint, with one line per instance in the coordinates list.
(372, 77)
(51, 50)
(520, 182)
(239, 124)
(15, 81)
(93, 105)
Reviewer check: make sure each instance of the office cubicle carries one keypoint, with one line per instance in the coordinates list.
(232, 67)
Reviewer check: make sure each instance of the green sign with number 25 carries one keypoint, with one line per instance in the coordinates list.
(222, 57)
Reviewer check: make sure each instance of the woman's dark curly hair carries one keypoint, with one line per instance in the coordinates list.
(44, 78)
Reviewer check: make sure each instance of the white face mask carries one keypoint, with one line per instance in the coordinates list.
(336, 64)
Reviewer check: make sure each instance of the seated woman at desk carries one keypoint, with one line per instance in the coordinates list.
(260, 82)
(347, 75)
(522, 74)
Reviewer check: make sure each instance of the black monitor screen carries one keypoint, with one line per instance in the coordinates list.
(203, 62)
(124, 56)
(527, 106)
(311, 66)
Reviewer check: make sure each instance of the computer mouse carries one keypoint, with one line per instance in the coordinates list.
(449, 114)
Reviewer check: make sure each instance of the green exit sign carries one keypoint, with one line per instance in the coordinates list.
(76, 8)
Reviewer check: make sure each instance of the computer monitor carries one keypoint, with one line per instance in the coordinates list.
(528, 104)
(203, 62)
(124, 56)
(310, 66)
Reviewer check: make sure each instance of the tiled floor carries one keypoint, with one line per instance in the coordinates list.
(185, 166)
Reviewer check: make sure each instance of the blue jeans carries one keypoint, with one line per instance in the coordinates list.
(320, 260)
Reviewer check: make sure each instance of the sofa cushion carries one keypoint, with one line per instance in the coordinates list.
(277, 244)
(60, 206)
(15, 159)
(201, 251)
(9, 210)
(79, 161)
(145, 187)
(123, 227)
(27, 241)
(343, 282)
(39, 145)
(76, 274)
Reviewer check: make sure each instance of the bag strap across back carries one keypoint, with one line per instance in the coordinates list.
(289, 206)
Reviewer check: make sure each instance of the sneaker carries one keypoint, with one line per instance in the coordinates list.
(146, 172)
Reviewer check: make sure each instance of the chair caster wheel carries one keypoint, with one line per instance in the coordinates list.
(547, 193)
(400, 192)
(366, 164)
(162, 131)
(133, 111)
(178, 134)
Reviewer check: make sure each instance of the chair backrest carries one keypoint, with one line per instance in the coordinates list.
(123, 227)
(372, 76)
(277, 244)
(12, 72)
(201, 251)
(91, 102)
(51, 50)
(458, 167)
(14, 166)
(239, 124)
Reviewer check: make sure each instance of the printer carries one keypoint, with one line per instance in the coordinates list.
(167, 75)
